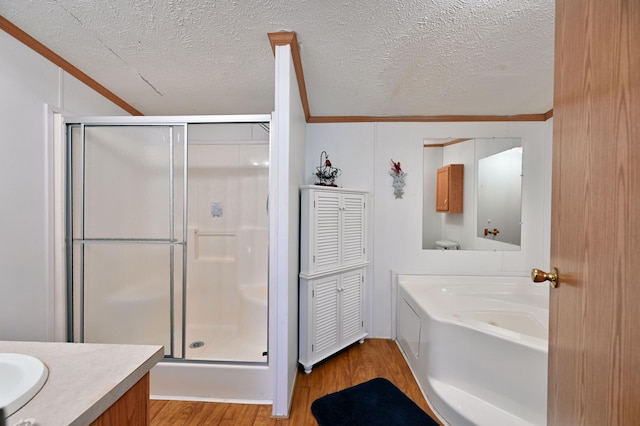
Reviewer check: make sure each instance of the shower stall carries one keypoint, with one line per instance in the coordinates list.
(167, 236)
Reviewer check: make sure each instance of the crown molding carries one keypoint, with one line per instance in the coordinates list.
(425, 118)
(50, 55)
(289, 38)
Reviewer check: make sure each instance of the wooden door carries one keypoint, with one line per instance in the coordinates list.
(594, 335)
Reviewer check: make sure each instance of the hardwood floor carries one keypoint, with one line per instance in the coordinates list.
(356, 364)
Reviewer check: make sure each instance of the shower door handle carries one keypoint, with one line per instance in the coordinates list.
(538, 276)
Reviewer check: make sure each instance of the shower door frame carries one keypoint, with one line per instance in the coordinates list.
(148, 121)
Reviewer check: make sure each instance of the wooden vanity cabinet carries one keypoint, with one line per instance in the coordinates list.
(449, 188)
(131, 409)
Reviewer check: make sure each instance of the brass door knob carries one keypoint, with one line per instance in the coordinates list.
(538, 276)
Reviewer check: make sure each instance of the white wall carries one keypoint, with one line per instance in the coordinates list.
(28, 82)
(288, 136)
(431, 221)
(364, 150)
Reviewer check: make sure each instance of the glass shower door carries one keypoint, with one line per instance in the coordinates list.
(127, 189)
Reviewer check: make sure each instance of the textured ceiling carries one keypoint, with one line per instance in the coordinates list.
(360, 57)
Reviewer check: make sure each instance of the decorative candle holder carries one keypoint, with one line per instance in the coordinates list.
(326, 174)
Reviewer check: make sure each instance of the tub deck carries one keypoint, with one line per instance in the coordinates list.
(477, 346)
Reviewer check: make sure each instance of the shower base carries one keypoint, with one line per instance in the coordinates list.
(224, 343)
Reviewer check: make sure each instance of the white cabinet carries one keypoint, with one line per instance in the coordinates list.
(333, 222)
(332, 276)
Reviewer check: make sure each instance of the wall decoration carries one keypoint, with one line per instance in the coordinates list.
(325, 173)
(217, 209)
(398, 179)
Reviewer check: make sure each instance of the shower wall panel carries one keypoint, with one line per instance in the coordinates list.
(227, 228)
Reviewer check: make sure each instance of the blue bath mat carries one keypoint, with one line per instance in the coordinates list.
(376, 402)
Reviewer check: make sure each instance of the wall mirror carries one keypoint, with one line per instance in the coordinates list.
(491, 193)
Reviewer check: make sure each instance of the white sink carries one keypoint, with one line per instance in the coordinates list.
(21, 377)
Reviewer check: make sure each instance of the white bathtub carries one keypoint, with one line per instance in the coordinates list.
(477, 346)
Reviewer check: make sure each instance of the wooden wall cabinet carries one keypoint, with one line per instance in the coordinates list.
(449, 188)
(332, 271)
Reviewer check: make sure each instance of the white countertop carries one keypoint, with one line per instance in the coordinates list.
(84, 379)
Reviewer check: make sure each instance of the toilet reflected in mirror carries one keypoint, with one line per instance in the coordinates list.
(447, 245)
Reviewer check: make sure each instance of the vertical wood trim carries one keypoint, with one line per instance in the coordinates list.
(50, 55)
(284, 38)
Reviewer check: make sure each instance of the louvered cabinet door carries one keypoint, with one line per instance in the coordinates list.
(325, 315)
(351, 317)
(326, 247)
(352, 232)
(331, 315)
